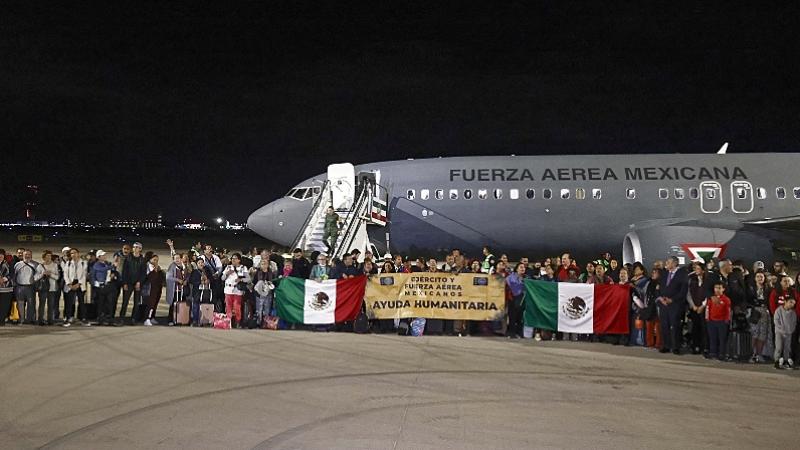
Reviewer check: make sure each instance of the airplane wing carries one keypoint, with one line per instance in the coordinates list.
(787, 222)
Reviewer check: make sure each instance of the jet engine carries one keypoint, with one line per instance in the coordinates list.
(691, 243)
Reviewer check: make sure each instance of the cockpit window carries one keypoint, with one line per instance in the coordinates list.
(301, 193)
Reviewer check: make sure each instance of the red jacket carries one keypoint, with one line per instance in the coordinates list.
(777, 297)
(718, 312)
(562, 273)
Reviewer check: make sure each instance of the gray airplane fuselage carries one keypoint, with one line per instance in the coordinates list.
(645, 205)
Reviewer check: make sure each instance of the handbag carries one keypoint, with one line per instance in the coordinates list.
(271, 323)
(753, 316)
(14, 315)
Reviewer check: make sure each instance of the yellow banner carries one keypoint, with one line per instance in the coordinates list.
(463, 296)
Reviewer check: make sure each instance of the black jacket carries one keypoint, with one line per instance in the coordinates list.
(134, 270)
(676, 288)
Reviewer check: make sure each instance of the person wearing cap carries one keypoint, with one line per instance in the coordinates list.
(75, 273)
(102, 276)
(331, 229)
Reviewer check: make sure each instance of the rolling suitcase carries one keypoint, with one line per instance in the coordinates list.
(182, 313)
(740, 346)
(206, 314)
(434, 327)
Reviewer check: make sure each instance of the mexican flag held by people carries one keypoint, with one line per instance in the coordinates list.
(319, 302)
(577, 308)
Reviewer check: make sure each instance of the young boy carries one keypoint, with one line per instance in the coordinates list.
(718, 320)
(785, 323)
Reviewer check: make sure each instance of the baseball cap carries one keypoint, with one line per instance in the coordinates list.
(387, 256)
(99, 253)
(65, 249)
(758, 264)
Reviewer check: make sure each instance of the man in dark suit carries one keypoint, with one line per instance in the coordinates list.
(672, 304)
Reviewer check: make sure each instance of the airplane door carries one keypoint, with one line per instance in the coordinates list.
(342, 178)
(742, 197)
(710, 197)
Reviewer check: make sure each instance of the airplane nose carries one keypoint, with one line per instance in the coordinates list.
(261, 221)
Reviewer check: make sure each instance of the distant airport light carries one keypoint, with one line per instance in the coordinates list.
(219, 220)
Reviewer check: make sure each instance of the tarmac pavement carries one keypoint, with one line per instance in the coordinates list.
(170, 387)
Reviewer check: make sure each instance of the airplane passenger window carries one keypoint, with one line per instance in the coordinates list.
(761, 193)
(597, 194)
(498, 194)
(453, 194)
(741, 193)
(797, 193)
(780, 192)
(678, 194)
(410, 194)
(630, 193)
(580, 194)
(513, 194)
(467, 194)
(424, 194)
(711, 194)
(530, 193)
(547, 194)
(482, 193)
(565, 194)
(694, 193)
(663, 194)
(439, 194)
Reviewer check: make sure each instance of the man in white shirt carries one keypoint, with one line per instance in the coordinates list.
(75, 272)
(26, 273)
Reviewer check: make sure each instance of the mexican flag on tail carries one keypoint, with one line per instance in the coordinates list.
(378, 211)
(577, 308)
(298, 300)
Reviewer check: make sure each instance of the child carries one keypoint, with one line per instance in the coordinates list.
(785, 323)
(718, 320)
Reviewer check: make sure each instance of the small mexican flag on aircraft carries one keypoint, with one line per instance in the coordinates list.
(378, 211)
(319, 302)
(577, 308)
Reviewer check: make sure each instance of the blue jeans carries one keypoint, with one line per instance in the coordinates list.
(717, 338)
(263, 306)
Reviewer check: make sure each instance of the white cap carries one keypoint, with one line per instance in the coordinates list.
(99, 253)
(65, 249)
(387, 256)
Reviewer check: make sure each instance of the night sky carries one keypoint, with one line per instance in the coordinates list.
(204, 111)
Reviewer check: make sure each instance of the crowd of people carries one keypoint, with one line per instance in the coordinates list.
(697, 307)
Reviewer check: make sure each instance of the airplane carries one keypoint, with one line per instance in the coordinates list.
(643, 207)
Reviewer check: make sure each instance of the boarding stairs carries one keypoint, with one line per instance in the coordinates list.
(367, 208)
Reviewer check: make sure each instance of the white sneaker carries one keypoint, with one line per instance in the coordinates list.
(148, 323)
(790, 363)
(538, 337)
(171, 324)
(154, 321)
(66, 324)
(86, 323)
